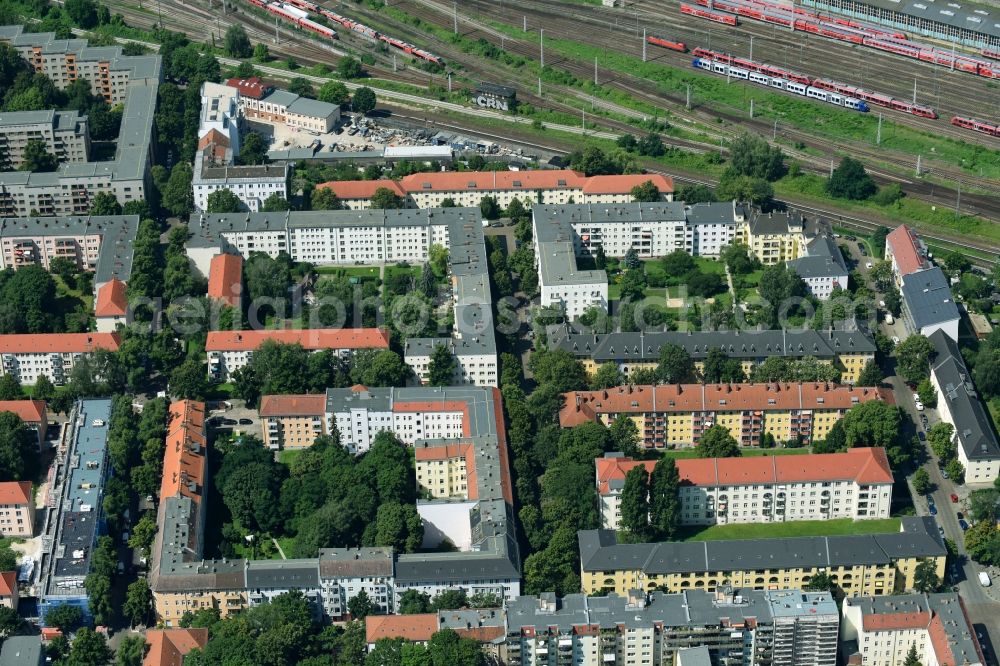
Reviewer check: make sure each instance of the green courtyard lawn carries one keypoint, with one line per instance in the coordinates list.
(796, 528)
(350, 271)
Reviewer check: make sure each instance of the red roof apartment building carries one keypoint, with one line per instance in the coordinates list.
(17, 510)
(467, 188)
(675, 415)
(906, 251)
(855, 484)
(29, 356)
(32, 412)
(225, 279)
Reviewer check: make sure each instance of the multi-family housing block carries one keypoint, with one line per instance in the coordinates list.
(563, 232)
(905, 252)
(467, 188)
(378, 237)
(219, 141)
(676, 415)
(959, 404)
(821, 266)
(856, 484)
(736, 627)
(928, 304)
(17, 509)
(167, 647)
(28, 356)
(75, 517)
(847, 350)
(128, 80)
(259, 101)
(478, 519)
(870, 564)
(879, 631)
(64, 134)
(225, 279)
(32, 413)
(228, 351)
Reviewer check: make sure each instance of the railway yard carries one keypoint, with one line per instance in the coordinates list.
(615, 33)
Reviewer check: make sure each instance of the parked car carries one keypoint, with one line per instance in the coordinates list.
(954, 498)
(921, 436)
(932, 508)
(958, 514)
(984, 579)
(895, 339)
(944, 474)
(868, 265)
(230, 422)
(923, 420)
(964, 525)
(246, 422)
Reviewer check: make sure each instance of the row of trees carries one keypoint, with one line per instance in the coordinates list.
(650, 503)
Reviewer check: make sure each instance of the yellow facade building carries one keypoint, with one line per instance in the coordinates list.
(848, 351)
(443, 471)
(870, 565)
(774, 237)
(675, 415)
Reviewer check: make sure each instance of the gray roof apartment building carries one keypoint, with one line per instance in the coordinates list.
(129, 80)
(64, 133)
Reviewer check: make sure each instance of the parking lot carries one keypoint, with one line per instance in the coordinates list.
(234, 416)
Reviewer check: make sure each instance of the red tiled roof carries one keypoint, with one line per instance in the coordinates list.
(8, 583)
(624, 184)
(458, 181)
(251, 87)
(864, 465)
(15, 492)
(309, 338)
(895, 621)
(111, 299)
(225, 278)
(184, 464)
(293, 405)
(904, 246)
(481, 634)
(417, 627)
(167, 647)
(449, 451)
(43, 343)
(29, 411)
(583, 406)
(360, 189)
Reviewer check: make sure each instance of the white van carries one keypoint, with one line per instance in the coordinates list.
(984, 579)
(889, 319)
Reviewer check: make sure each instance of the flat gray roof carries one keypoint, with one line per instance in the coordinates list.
(928, 298)
(312, 107)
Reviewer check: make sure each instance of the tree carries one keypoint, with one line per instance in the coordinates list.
(820, 582)
(398, 526)
(983, 504)
(955, 470)
(385, 199)
(606, 376)
(323, 198)
(18, 448)
(302, 87)
(177, 196)
(105, 203)
(275, 204)
(10, 621)
(664, 499)
(489, 208)
(678, 264)
(675, 366)
(224, 201)
(130, 651)
(873, 423)
(719, 368)
(633, 285)
(871, 374)
(138, 601)
(236, 43)
(925, 578)
(450, 599)
(751, 155)
(922, 482)
(36, 157)
(982, 542)
(635, 502)
(413, 602)
(379, 368)
(625, 435)
(10, 389)
(646, 192)
(850, 181)
(911, 657)
(941, 440)
(261, 53)
(651, 145)
(446, 647)
(717, 442)
(441, 369)
(143, 533)
(631, 260)
(83, 12)
(360, 606)
(251, 493)
(65, 617)
(364, 100)
(89, 648)
(253, 150)
(189, 380)
(913, 357)
(333, 92)
(627, 142)
(733, 187)
(349, 68)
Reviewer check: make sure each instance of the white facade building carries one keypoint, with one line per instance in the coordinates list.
(26, 357)
(856, 484)
(928, 304)
(64, 133)
(879, 631)
(821, 267)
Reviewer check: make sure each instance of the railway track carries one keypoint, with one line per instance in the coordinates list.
(566, 24)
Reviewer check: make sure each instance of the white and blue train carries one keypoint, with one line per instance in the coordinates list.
(781, 84)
